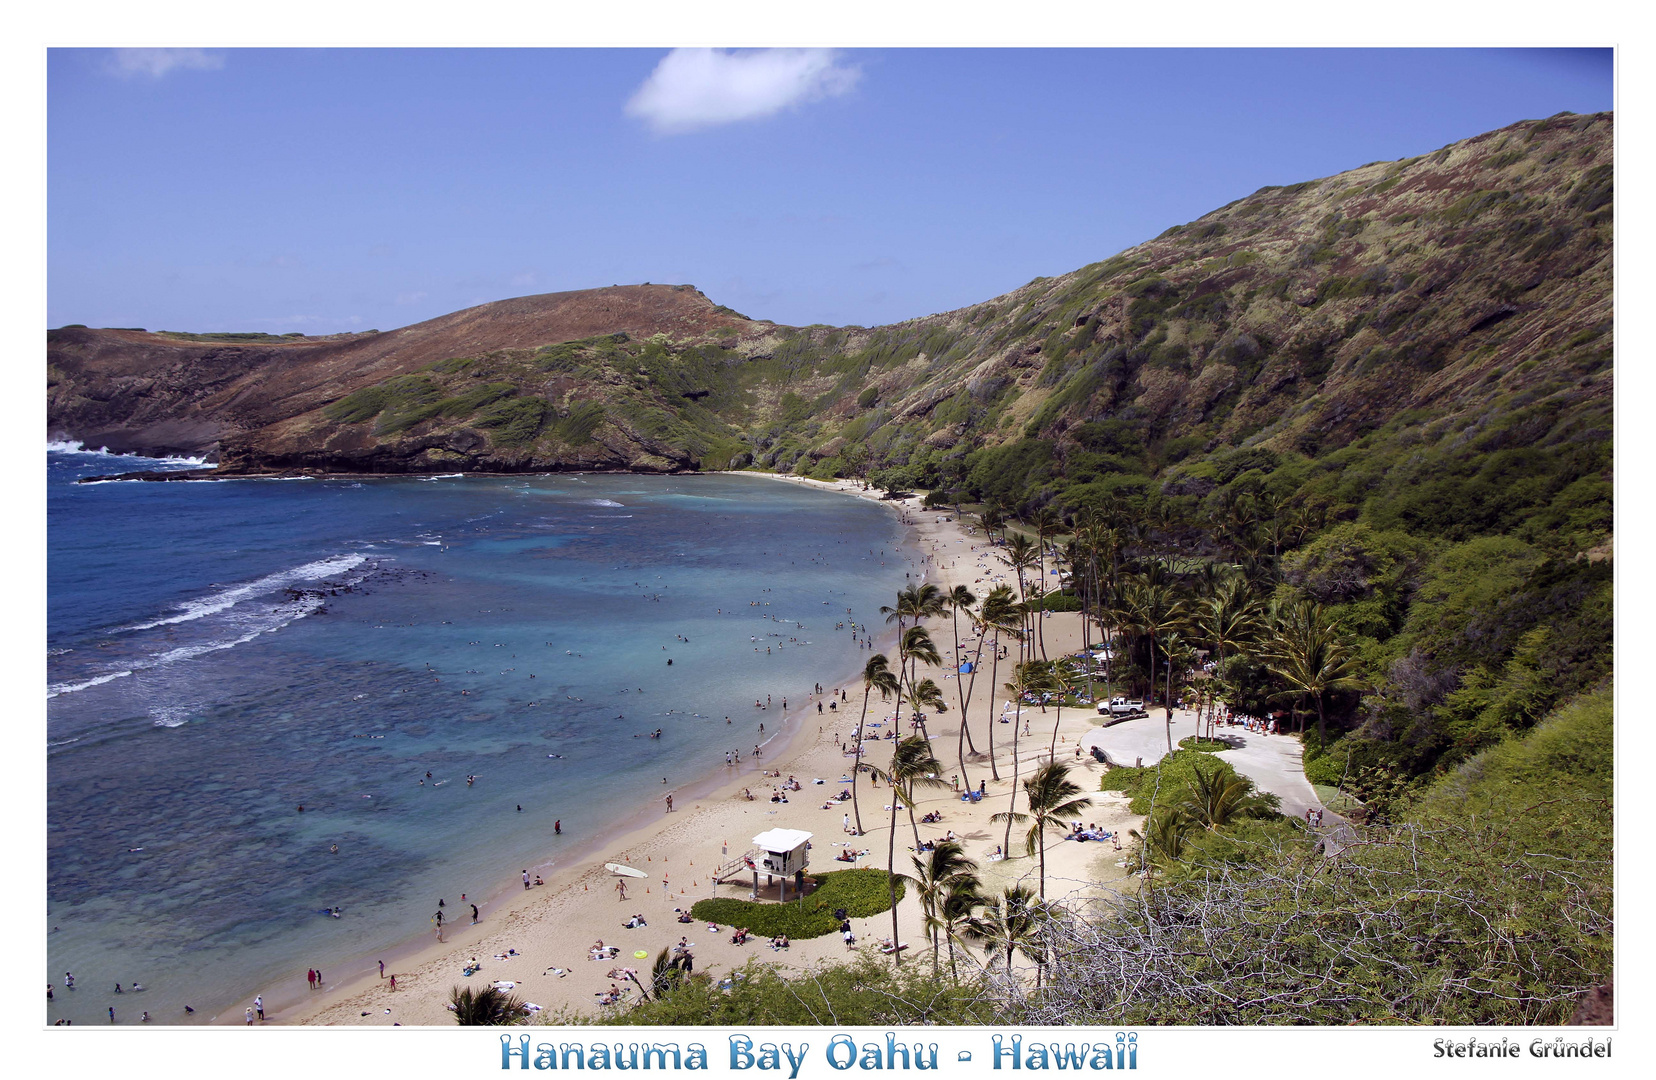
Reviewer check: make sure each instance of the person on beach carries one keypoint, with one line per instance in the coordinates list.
(557, 827)
(310, 978)
(621, 889)
(249, 1015)
(474, 914)
(669, 800)
(258, 1006)
(382, 969)
(526, 879)
(393, 984)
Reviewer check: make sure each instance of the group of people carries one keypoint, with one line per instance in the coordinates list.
(1092, 832)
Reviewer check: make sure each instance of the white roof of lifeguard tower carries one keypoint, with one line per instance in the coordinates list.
(781, 839)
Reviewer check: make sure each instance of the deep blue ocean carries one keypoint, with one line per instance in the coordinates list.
(222, 653)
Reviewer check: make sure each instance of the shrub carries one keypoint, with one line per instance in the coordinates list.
(861, 892)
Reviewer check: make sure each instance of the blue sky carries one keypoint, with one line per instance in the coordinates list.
(322, 190)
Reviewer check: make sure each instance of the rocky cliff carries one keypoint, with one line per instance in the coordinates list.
(1453, 288)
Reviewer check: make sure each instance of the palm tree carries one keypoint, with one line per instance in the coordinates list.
(1000, 615)
(1155, 611)
(1051, 796)
(1231, 616)
(1163, 839)
(484, 1005)
(912, 766)
(924, 695)
(1314, 656)
(1060, 680)
(876, 676)
(1029, 677)
(960, 599)
(1046, 523)
(1022, 552)
(1217, 797)
(944, 868)
(1010, 924)
(961, 897)
(916, 647)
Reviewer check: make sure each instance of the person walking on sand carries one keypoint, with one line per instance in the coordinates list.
(393, 984)
(474, 914)
(621, 887)
(669, 804)
(258, 1006)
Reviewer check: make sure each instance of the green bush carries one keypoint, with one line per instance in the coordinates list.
(516, 421)
(1164, 783)
(1208, 746)
(861, 892)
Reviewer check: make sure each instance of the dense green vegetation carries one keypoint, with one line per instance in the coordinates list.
(860, 892)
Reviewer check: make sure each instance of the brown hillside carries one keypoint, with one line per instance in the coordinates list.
(133, 390)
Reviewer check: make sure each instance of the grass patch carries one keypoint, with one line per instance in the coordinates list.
(1206, 746)
(861, 892)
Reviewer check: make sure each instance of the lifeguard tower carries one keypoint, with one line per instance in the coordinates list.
(781, 854)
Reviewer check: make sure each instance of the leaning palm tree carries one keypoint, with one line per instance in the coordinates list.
(876, 676)
(1029, 678)
(1051, 797)
(960, 599)
(1000, 615)
(912, 766)
(485, 1005)
(1011, 923)
(943, 869)
(961, 898)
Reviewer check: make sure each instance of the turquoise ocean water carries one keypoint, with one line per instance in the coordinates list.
(223, 653)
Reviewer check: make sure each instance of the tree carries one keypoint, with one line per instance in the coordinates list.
(960, 599)
(1000, 615)
(1163, 839)
(1010, 924)
(1030, 677)
(1230, 617)
(1217, 797)
(943, 870)
(1154, 610)
(1314, 657)
(484, 1005)
(912, 766)
(916, 647)
(876, 676)
(1051, 797)
(924, 695)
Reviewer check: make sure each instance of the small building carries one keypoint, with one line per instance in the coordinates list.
(783, 854)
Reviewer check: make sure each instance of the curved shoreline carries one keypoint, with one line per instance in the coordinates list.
(574, 866)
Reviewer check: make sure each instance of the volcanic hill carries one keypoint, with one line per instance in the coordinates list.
(1431, 298)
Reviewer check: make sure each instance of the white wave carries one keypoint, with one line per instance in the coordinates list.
(226, 599)
(601, 502)
(69, 688)
(62, 742)
(75, 446)
(446, 476)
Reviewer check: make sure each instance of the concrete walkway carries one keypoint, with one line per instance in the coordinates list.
(1272, 762)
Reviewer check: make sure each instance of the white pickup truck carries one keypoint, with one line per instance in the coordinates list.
(1122, 709)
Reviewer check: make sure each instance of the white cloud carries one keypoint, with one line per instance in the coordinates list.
(155, 63)
(698, 88)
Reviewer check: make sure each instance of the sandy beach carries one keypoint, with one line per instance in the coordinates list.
(538, 937)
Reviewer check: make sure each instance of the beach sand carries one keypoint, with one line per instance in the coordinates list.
(524, 933)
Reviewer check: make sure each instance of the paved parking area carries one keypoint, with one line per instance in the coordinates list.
(1271, 761)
